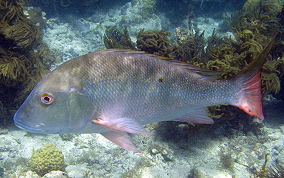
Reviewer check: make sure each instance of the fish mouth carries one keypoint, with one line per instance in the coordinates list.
(28, 128)
(19, 121)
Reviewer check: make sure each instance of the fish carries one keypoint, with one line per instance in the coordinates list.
(115, 92)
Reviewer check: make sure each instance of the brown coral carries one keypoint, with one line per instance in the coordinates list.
(23, 56)
(154, 42)
(188, 48)
(253, 27)
(114, 38)
(11, 11)
(23, 34)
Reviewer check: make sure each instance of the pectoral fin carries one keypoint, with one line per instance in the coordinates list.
(122, 124)
(122, 139)
(198, 116)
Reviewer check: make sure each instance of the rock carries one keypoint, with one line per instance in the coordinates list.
(77, 171)
(28, 174)
(56, 174)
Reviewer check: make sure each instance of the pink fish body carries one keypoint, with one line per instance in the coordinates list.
(115, 92)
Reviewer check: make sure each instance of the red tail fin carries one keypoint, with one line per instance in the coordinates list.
(249, 98)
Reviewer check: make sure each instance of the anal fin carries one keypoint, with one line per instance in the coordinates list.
(122, 139)
(122, 124)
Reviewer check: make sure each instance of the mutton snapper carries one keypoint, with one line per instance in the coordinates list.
(115, 92)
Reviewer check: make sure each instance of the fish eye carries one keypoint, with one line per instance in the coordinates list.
(46, 98)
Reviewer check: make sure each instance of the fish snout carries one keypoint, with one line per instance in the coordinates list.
(25, 121)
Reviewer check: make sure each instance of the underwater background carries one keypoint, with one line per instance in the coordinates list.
(222, 35)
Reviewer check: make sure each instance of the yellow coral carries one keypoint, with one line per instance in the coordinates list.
(46, 159)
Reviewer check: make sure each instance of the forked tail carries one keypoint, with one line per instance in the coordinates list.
(249, 99)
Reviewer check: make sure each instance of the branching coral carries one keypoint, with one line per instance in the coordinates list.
(226, 56)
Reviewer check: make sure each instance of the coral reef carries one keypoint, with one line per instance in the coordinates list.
(253, 26)
(114, 38)
(188, 47)
(46, 159)
(24, 58)
(21, 34)
(154, 42)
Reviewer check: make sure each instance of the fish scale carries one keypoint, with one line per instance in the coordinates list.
(115, 92)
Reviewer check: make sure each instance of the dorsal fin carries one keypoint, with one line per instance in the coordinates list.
(184, 65)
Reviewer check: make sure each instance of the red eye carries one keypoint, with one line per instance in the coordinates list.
(46, 98)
